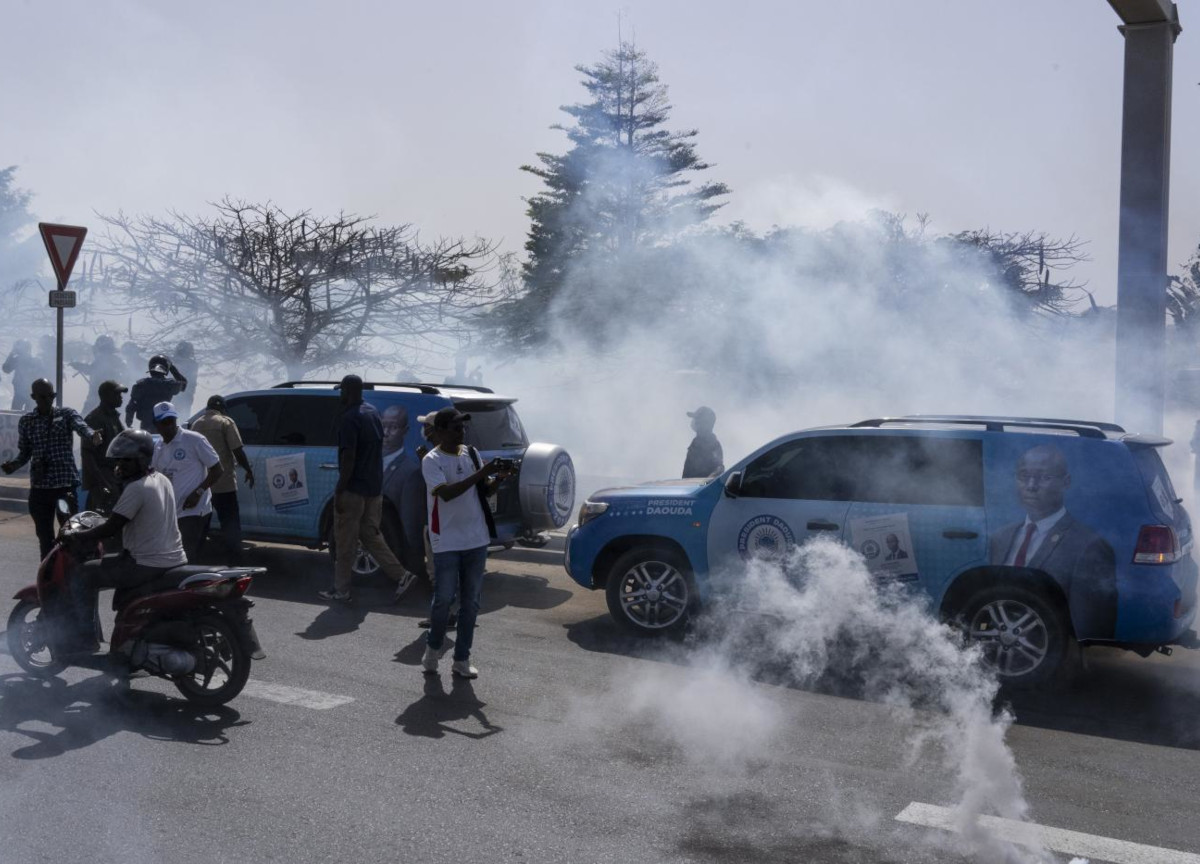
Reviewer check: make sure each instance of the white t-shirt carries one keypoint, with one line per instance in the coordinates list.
(152, 535)
(459, 524)
(185, 460)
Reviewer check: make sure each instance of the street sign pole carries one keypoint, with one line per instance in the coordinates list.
(63, 243)
(58, 358)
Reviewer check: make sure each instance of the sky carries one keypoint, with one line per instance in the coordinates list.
(1005, 115)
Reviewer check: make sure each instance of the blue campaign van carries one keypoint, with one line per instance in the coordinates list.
(290, 436)
(1032, 533)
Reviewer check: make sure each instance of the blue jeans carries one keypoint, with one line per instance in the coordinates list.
(460, 572)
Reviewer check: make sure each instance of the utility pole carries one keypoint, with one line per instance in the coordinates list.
(1150, 28)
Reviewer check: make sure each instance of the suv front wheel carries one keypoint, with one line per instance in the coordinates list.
(1022, 634)
(650, 591)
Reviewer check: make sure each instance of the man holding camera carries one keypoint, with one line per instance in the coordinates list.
(460, 529)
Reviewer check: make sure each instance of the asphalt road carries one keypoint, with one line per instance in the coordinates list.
(341, 750)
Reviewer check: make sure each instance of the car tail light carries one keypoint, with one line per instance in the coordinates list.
(1157, 544)
(216, 587)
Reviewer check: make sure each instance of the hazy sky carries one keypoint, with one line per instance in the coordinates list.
(979, 112)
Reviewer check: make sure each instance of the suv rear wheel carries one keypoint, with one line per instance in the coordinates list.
(650, 591)
(365, 564)
(1022, 634)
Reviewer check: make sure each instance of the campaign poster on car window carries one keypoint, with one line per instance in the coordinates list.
(886, 545)
(288, 482)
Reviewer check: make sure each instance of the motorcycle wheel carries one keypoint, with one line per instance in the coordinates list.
(27, 642)
(222, 667)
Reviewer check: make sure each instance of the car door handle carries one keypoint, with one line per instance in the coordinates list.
(959, 534)
(329, 466)
(822, 525)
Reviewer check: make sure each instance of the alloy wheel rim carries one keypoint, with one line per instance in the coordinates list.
(37, 651)
(1012, 635)
(215, 667)
(364, 563)
(654, 595)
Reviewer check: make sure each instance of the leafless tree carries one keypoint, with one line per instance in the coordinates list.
(1030, 264)
(308, 291)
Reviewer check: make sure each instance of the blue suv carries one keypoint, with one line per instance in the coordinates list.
(290, 437)
(1032, 533)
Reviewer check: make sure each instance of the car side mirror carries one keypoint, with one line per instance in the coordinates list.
(733, 484)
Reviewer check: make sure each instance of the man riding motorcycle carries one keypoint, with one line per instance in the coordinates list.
(145, 516)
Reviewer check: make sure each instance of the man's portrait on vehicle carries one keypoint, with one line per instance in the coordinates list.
(1052, 540)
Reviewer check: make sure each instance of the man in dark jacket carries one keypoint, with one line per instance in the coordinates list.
(154, 388)
(98, 479)
(704, 456)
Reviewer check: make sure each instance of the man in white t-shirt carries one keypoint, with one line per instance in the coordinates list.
(189, 461)
(144, 515)
(460, 529)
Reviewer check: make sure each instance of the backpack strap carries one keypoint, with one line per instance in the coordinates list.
(481, 488)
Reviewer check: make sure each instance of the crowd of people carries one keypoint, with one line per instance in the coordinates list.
(135, 475)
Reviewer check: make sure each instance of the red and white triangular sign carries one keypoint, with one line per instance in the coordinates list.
(63, 243)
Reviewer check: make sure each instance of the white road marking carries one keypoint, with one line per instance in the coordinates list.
(294, 695)
(1054, 839)
(280, 693)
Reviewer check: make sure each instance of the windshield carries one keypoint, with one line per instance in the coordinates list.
(493, 426)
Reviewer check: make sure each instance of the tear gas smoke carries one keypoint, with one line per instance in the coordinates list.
(820, 619)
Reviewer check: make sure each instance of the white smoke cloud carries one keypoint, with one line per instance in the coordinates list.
(822, 621)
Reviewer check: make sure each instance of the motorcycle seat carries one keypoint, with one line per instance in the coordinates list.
(166, 581)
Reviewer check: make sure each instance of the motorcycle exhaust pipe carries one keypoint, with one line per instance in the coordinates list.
(163, 659)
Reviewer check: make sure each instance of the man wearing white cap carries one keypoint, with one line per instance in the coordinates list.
(189, 461)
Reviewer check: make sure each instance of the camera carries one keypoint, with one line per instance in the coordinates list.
(505, 464)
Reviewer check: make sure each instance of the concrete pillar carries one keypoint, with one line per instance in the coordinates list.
(1142, 253)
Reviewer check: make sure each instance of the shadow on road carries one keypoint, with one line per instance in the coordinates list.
(95, 708)
(431, 715)
(1118, 695)
(296, 575)
(1122, 696)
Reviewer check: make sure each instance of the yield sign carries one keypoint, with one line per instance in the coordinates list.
(63, 243)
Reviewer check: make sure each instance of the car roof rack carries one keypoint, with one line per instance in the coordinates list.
(1082, 428)
(432, 389)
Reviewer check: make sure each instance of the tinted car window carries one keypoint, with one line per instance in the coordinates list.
(252, 414)
(803, 469)
(493, 426)
(307, 421)
(872, 469)
(910, 469)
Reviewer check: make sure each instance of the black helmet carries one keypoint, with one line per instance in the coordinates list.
(133, 444)
(185, 350)
(159, 363)
(105, 344)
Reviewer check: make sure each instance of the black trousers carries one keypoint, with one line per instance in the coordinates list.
(111, 571)
(43, 508)
(191, 531)
(226, 506)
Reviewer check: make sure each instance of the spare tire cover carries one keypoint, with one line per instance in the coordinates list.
(547, 487)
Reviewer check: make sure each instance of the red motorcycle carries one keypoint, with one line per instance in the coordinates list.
(190, 625)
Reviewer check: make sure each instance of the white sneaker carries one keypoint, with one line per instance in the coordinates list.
(463, 669)
(430, 660)
(403, 585)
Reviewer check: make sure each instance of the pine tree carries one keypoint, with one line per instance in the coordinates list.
(623, 187)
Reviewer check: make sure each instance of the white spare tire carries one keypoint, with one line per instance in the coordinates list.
(547, 487)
